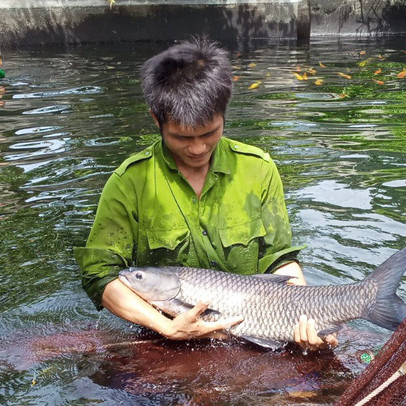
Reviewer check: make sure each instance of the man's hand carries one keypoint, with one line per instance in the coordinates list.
(189, 325)
(306, 336)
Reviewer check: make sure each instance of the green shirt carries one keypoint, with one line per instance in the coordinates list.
(149, 214)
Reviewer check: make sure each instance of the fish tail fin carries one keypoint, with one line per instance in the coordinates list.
(389, 309)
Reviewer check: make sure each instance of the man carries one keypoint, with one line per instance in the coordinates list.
(194, 198)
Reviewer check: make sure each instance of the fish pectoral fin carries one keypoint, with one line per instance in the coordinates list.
(265, 342)
(210, 312)
(329, 330)
(271, 277)
(174, 307)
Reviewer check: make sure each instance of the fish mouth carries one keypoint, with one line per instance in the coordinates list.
(123, 278)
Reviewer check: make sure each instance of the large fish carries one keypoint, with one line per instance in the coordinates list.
(269, 306)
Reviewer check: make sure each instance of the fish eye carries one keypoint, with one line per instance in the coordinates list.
(138, 275)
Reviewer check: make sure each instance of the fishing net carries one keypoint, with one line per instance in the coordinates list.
(385, 376)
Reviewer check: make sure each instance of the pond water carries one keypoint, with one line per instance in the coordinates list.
(333, 116)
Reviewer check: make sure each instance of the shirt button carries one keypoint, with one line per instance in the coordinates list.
(213, 264)
(236, 146)
(194, 200)
(146, 153)
(204, 232)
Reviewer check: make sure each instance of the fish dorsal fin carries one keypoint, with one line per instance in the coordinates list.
(265, 342)
(272, 277)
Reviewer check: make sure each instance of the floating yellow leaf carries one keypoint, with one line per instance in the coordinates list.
(235, 78)
(252, 65)
(377, 72)
(255, 85)
(402, 74)
(305, 76)
(298, 77)
(365, 62)
(312, 71)
(343, 75)
(268, 74)
(362, 52)
(319, 82)
(343, 95)
(380, 82)
(322, 65)
(302, 394)
(381, 57)
(298, 68)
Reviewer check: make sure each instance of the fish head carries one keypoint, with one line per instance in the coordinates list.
(152, 284)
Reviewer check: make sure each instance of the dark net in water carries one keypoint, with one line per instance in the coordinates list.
(388, 361)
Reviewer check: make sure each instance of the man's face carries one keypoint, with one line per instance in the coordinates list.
(192, 148)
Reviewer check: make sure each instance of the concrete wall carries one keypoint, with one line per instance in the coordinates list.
(27, 22)
(65, 21)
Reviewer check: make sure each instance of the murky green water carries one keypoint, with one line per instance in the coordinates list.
(69, 117)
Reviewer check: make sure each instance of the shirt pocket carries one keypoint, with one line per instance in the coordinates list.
(168, 239)
(242, 234)
(167, 247)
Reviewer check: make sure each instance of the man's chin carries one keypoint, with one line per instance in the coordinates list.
(197, 163)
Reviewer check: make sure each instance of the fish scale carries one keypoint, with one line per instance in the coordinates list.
(269, 306)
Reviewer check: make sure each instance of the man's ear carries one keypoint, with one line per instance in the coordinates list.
(155, 118)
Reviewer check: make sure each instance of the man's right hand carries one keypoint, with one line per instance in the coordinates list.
(189, 325)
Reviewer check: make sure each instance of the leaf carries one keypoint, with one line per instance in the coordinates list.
(255, 85)
(302, 394)
(236, 67)
(377, 72)
(319, 82)
(298, 68)
(322, 65)
(236, 78)
(252, 65)
(402, 74)
(365, 62)
(298, 77)
(362, 52)
(343, 75)
(312, 71)
(380, 82)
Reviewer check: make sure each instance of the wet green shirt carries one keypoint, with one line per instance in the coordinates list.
(149, 214)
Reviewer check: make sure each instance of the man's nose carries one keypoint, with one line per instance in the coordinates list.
(197, 147)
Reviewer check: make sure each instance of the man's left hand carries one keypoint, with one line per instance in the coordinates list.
(305, 335)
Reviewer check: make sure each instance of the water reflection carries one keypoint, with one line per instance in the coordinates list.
(69, 117)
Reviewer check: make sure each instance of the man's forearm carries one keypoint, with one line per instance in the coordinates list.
(124, 303)
(292, 269)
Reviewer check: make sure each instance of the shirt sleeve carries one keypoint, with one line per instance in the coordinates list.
(111, 244)
(276, 249)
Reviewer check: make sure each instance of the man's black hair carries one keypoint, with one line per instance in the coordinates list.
(188, 83)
